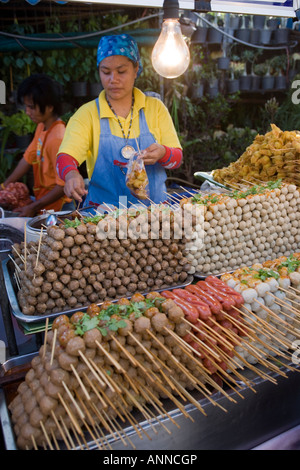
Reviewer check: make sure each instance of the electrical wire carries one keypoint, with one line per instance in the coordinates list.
(83, 36)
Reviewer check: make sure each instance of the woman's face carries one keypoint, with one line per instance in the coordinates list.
(34, 112)
(117, 74)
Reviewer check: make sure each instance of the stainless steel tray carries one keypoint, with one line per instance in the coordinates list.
(244, 418)
(11, 289)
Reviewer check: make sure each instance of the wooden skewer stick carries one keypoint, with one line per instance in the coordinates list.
(17, 267)
(70, 414)
(94, 434)
(96, 391)
(276, 317)
(67, 432)
(25, 247)
(115, 429)
(82, 386)
(46, 435)
(91, 369)
(152, 398)
(39, 247)
(45, 338)
(53, 346)
(60, 430)
(19, 254)
(34, 442)
(269, 330)
(78, 409)
(110, 357)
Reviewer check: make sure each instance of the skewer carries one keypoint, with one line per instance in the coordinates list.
(70, 414)
(60, 430)
(46, 435)
(82, 386)
(45, 338)
(25, 248)
(17, 267)
(110, 357)
(19, 254)
(78, 409)
(39, 247)
(53, 346)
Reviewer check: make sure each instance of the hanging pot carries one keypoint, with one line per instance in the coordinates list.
(223, 63)
(280, 82)
(267, 82)
(258, 21)
(198, 90)
(281, 36)
(234, 22)
(200, 35)
(265, 36)
(254, 36)
(80, 88)
(243, 34)
(255, 82)
(214, 36)
(232, 86)
(245, 82)
(213, 88)
(273, 23)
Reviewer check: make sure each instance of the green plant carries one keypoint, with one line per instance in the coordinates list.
(18, 123)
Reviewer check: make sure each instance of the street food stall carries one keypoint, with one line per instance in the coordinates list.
(172, 325)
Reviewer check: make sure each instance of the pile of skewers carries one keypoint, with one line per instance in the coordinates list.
(92, 259)
(98, 366)
(244, 226)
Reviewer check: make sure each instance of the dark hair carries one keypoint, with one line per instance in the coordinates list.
(43, 90)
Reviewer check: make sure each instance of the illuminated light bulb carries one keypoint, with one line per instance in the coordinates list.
(170, 55)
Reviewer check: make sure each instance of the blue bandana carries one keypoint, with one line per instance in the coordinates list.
(121, 44)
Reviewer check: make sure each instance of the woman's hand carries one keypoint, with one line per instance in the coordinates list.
(74, 186)
(153, 153)
(27, 211)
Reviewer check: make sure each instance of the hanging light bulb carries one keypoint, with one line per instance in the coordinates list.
(170, 55)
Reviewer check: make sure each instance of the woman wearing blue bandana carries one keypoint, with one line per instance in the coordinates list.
(121, 121)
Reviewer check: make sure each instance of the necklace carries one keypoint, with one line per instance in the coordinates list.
(127, 151)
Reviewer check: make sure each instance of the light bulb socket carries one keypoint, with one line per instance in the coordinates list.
(171, 9)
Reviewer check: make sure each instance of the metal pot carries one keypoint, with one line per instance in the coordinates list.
(34, 225)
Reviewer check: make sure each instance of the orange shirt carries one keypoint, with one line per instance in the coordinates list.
(41, 154)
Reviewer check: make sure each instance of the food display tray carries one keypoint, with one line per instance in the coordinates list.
(241, 419)
(208, 177)
(36, 323)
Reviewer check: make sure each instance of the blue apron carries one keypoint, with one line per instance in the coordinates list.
(107, 184)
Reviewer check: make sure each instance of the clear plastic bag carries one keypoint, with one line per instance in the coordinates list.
(136, 178)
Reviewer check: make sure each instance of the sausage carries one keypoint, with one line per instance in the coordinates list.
(214, 305)
(226, 300)
(223, 287)
(191, 312)
(190, 297)
(202, 307)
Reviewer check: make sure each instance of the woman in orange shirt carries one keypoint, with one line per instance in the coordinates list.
(42, 98)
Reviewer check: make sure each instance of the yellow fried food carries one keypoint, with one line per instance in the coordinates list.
(275, 155)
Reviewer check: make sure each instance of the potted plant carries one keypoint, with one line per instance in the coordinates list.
(267, 79)
(82, 64)
(20, 125)
(278, 66)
